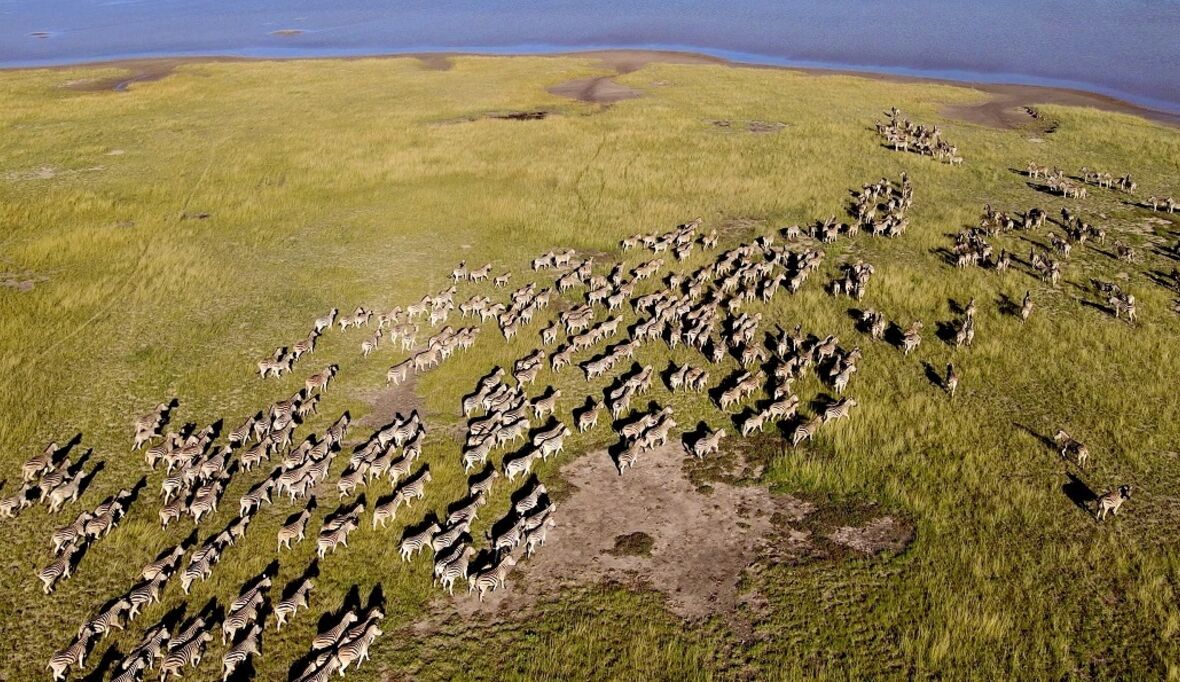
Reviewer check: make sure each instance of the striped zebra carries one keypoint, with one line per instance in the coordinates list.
(951, 382)
(318, 671)
(521, 465)
(257, 496)
(530, 501)
(468, 512)
(240, 618)
(198, 569)
(111, 618)
(144, 594)
(1111, 501)
(131, 668)
(455, 570)
(330, 538)
(239, 652)
(483, 484)
(628, 457)
(536, 537)
(73, 655)
(841, 409)
(357, 649)
(806, 431)
(150, 646)
(186, 654)
(289, 606)
(59, 569)
(332, 636)
(71, 534)
(385, 511)
(412, 490)
(509, 539)
(416, 542)
(449, 537)
(490, 580)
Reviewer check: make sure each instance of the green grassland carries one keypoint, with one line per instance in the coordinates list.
(337, 183)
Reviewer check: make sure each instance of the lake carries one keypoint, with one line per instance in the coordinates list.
(1123, 48)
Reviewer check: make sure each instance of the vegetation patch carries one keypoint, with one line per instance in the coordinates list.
(633, 544)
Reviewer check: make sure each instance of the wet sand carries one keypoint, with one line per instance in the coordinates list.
(1005, 109)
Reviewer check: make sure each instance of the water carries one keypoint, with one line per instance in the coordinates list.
(1124, 48)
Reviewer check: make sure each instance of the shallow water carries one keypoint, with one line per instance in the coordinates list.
(1125, 48)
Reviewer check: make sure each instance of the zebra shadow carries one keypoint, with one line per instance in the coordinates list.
(1007, 306)
(110, 658)
(270, 571)
(894, 335)
(1045, 440)
(946, 330)
(933, 376)
(1079, 493)
(61, 452)
(245, 670)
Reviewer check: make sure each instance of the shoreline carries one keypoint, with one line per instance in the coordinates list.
(997, 112)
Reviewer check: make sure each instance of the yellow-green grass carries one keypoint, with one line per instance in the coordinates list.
(337, 183)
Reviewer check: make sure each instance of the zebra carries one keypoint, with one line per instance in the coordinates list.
(240, 617)
(330, 539)
(131, 668)
(149, 648)
(952, 379)
(73, 655)
(912, 338)
(547, 405)
(198, 568)
(529, 502)
(416, 542)
(484, 484)
(332, 636)
(588, 419)
(58, 570)
(412, 490)
(1111, 501)
(324, 323)
(288, 607)
(144, 594)
(753, 423)
(628, 457)
(71, 534)
(707, 444)
(520, 465)
(536, 537)
(294, 530)
(187, 654)
(509, 539)
(111, 618)
(1026, 307)
(1070, 446)
(490, 580)
(839, 409)
(467, 512)
(455, 570)
(447, 538)
(357, 649)
(806, 431)
(371, 344)
(239, 652)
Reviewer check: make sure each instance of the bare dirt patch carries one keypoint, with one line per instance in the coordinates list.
(600, 90)
(649, 528)
(884, 534)
(390, 401)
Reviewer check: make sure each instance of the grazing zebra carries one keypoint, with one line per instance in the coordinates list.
(1111, 501)
(412, 544)
(73, 655)
(187, 654)
(952, 379)
(295, 530)
(288, 607)
(490, 580)
(806, 431)
(239, 652)
(707, 444)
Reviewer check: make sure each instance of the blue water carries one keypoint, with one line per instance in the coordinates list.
(1124, 48)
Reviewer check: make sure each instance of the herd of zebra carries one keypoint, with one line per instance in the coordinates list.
(904, 135)
(700, 309)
